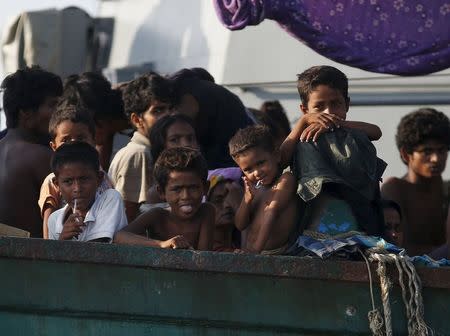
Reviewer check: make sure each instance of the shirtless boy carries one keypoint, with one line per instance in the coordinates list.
(269, 209)
(181, 177)
(29, 99)
(423, 139)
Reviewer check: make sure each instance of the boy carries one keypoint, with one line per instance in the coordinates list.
(392, 222)
(88, 215)
(269, 209)
(325, 102)
(423, 139)
(69, 123)
(181, 177)
(29, 99)
(338, 176)
(146, 99)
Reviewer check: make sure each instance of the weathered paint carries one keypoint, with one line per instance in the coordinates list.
(71, 288)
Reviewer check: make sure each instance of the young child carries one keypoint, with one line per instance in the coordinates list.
(146, 99)
(88, 215)
(181, 177)
(30, 96)
(423, 139)
(225, 193)
(338, 175)
(69, 123)
(269, 209)
(325, 102)
(173, 130)
(392, 222)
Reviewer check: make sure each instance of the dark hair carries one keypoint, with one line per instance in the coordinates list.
(203, 74)
(421, 125)
(272, 115)
(94, 91)
(308, 80)
(158, 132)
(389, 204)
(179, 159)
(27, 89)
(76, 113)
(75, 152)
(140, 93)
(250, 137)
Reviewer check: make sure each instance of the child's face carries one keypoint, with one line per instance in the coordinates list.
(78, 181)
(181, 134)
(325, 99)
(145, 122)
(258, 164)
(428, 159)
(69, 131)
(392, 226)
(184, 192)
(226, 197)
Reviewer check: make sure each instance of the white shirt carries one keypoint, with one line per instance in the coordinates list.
(105, 217)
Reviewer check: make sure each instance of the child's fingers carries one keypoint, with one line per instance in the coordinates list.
(318, 133)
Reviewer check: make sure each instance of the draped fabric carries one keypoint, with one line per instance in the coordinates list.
(402, 37)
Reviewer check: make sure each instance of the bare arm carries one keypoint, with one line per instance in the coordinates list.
(282, 195)
(242, 217)
(316, 123)
(131, 209)
(47, 212)
(144, 222)
(206, 236)
(371, 130)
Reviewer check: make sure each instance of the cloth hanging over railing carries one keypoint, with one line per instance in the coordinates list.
(402, 37)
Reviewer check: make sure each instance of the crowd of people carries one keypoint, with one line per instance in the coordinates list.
(201, 171)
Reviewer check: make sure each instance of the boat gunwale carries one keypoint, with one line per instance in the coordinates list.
(200, 261)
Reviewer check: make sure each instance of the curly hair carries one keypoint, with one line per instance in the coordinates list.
(158, 133)
(179, 159)
(421, 125)
(139, 93)
(308, 80)
(27, 89)
(251, 137)
(76, 113)
(94, 91)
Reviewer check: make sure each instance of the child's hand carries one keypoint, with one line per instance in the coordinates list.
(249, 192)
(72, 227)
(312, 132)
(326, 120)
(177, 242)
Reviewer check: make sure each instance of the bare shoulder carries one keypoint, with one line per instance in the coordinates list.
(285, 182)
(147, 219)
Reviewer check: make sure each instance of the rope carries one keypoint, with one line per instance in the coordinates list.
(374, 316)
(412, 295)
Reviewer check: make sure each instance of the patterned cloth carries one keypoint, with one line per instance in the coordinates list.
(403, 37)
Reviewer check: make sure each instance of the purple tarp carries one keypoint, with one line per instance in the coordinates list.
(403, 37)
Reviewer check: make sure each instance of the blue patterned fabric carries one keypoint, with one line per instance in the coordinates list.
(403, 37)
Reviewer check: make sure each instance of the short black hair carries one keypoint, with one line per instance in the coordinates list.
(420, 126)
(94, 91)
(140, 93)
(74, 112)
(251, 137)
(27, 89)
(389, 204)
(179, 159)
(158, 132)
(308, 80)
(272, 114)
(75, 152)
